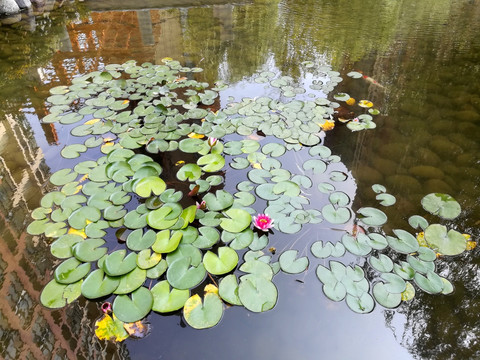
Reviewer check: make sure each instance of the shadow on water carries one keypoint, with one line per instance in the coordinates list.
(427, 140)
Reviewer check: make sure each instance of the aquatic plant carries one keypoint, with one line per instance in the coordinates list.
(153, 208)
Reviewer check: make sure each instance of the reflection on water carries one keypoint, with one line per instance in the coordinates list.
(427, 61)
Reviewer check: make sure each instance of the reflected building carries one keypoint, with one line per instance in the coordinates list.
(27, 329)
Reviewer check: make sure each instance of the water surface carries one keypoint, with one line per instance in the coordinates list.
(426, 57)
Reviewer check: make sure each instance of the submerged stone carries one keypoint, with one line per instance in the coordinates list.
(444, 147)
(426, 171)
(403, 183)
(436, 186)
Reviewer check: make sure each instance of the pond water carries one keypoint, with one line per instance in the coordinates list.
(422, 62)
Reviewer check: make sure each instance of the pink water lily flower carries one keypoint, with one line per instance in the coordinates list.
(212, 141)
(263, 222)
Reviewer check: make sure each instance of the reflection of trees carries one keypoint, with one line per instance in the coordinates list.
(446, 327)
(428, 144)
(21, 52)
(239, 39)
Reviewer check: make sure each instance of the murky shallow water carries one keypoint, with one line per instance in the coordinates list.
(427, 61)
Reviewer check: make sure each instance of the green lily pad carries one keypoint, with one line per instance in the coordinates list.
(220, 201)
(185, 251)
(386, 199)
(290, 264)
(71, 271)
(446, 243)
(183, 276)
(55, 295)
(377, 241)
(135, 308)
(62, 177)
(98, 284)
(404, 242)
(165, 243)
(158, 270)
(73, 151)
(189, 172)
(442, 205)
(421, 266)
(394, 283)
(62, 247)
(357, 245)
(211, 162)
(336, 215)
(166, 300)
(404, 270)
(431, 284)
(221, 263)
(207, 238)
(158, 218)
(228, 289)
(149, 185)
(89, 250)
(381, 263)
(372, 216)
(118, 263)
(146, 259)
(257, 294)
(78, 219)
(131, 281)
(386, 298)
(257, 268)
(259, 176)
(203, 315)
(362, 304)
(137, 240)
(316, 165)
(273, 149)
(417, 221)
(237, 221)
(288, 188)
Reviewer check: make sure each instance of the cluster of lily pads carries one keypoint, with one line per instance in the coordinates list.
(152, 234)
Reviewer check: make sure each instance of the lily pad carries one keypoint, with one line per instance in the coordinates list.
(237, 221)
(257, 294)
(290, 264)
(189, 172)
(442, 205)
(228, 289)
(449, 242)
(89, 250)
(71, 270)
(218, 201)
(386, 298)
(135, 308)
(118, 263)
(221, 263)
(183, 276)
(166, 300)
(336, 215)
(149, 185)
(372, 216)
(203, 315)
(98, 284)
(211, 162)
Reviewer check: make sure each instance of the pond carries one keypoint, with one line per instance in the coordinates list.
(418, 63)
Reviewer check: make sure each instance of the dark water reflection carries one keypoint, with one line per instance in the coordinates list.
(426, 56)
